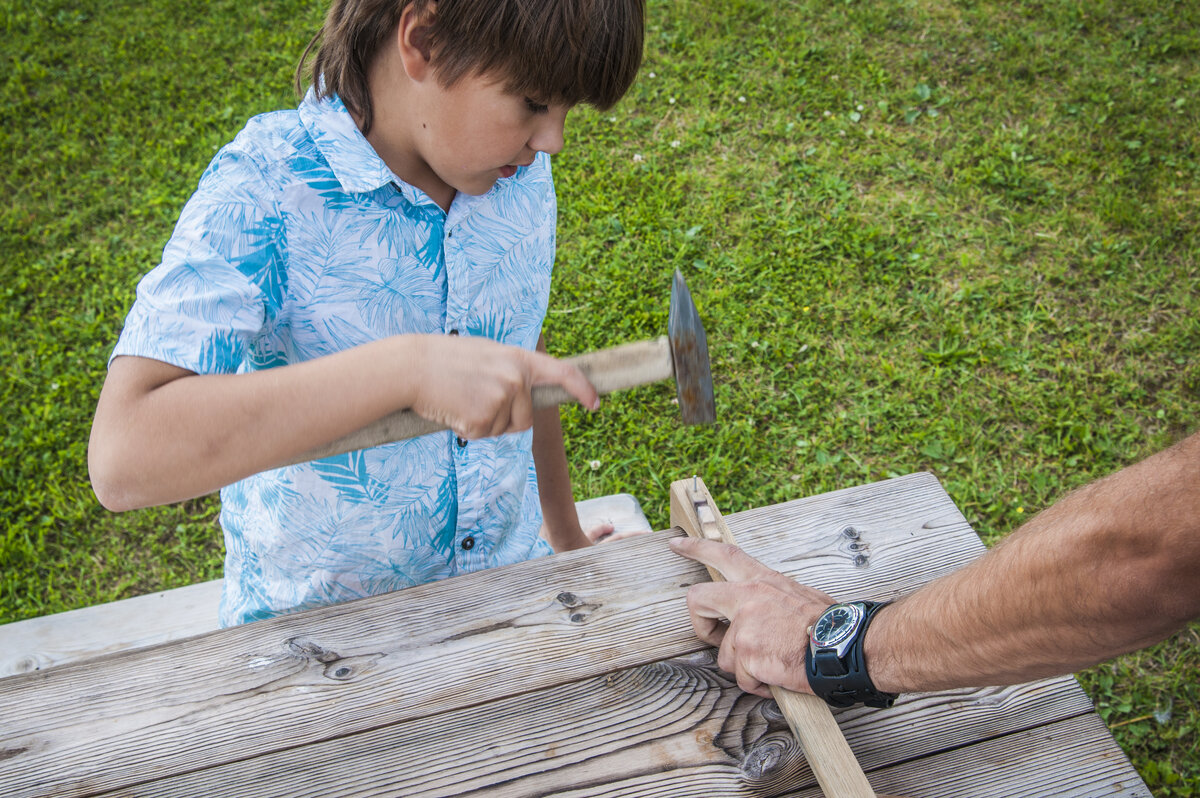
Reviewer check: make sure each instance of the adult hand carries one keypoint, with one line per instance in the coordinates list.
(480, 388)
(759, 618)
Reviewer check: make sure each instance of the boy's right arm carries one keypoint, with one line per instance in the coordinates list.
(164, 434)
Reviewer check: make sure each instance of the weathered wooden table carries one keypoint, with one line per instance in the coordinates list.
(576, 675)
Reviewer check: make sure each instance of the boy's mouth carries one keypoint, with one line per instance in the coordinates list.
(511, 169)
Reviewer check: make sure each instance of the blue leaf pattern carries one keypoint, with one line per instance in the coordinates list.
(300, 242)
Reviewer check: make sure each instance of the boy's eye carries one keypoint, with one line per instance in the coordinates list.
(536, 107)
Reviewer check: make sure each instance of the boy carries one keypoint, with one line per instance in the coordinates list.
(386, 245)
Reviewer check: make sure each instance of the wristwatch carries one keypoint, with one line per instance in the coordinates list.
(837, 671)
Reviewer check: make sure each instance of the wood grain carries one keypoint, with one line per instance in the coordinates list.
(1074, 758)
(617, 733)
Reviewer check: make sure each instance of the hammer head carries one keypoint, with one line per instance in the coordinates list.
(689, 353)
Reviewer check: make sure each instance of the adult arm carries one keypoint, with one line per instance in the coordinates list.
(163, 433)
(1109, 569)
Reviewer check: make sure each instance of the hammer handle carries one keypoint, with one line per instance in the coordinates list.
(609, 370)
(833, 763)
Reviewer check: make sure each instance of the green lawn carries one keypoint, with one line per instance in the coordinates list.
(958, 237)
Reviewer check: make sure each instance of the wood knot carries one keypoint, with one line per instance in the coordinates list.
(852, 543)
(578, 608)
(9, 753)
(339, 672)
(568, 599)
(775, 758)
(310, 650)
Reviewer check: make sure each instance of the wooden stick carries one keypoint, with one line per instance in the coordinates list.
(833, 763)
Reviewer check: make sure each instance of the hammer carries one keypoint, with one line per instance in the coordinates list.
(682, 353)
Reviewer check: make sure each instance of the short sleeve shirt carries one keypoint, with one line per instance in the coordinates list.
(300, 242)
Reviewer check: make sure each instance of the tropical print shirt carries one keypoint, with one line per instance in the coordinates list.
(300, 242)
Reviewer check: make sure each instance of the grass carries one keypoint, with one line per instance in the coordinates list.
(955, 237)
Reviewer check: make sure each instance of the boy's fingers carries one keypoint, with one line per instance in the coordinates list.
(546, 369)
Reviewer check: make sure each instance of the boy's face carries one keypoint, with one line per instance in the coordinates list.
(474, 132)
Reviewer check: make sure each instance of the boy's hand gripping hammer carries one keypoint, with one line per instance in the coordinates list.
(682, 353)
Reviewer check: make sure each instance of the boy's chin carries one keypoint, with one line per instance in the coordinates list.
(476, 188)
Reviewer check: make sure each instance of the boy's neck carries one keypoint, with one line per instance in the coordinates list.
(391, 134)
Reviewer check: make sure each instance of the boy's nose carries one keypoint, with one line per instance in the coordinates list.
(548, 137)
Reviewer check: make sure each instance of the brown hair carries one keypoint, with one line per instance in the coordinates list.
(568, 51)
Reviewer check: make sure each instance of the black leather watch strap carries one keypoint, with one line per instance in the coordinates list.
(843, 682)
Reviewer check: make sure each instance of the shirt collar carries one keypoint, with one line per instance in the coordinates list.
(351, 157)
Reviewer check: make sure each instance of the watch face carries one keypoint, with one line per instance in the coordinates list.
(836, 624)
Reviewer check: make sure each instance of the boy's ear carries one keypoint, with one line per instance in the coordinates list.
(412, 36)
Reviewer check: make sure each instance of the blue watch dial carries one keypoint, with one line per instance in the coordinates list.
(836, 624)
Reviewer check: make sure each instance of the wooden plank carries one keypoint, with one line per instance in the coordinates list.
(139, 622)
(291, 681)
(621, 732)
(144, 621)
(809, 717)
(1072, 758)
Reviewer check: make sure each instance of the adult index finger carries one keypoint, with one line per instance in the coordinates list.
(733, 563)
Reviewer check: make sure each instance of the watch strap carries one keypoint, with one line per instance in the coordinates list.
(844, 682)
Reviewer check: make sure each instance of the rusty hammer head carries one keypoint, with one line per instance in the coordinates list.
(689, 354)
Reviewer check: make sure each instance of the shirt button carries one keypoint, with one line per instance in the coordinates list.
(468, 543)
(462, 442)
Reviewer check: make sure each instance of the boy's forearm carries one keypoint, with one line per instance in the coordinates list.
(164, 434)
(563, 531)
(1109, 569)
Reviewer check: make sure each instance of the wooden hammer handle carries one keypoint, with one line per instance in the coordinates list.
(833, 763)
(609, 370)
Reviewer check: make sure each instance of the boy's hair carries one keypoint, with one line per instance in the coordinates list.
(568, 51)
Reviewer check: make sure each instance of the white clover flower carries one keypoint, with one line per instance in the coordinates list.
(653, 75)
(827, 114)
(742, 98)
(754, 344)
(612, 119)
(671, 101)
(675, 143)
(859, 106)
(637, 157)
(594, 465)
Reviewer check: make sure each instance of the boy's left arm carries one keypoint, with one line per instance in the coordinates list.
(561, 522)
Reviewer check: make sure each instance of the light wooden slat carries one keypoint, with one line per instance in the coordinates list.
(291, 681)
(623, 728)
(1072, 758)
(139, 622)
